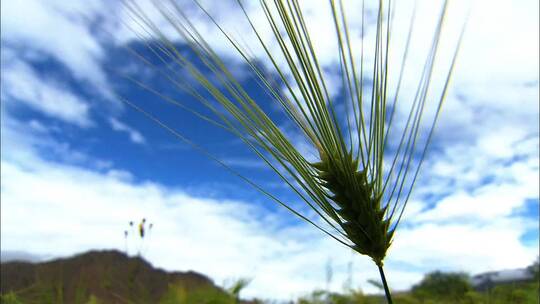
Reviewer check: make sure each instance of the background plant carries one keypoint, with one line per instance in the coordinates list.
(439, 285)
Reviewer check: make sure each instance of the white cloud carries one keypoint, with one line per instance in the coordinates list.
(464, 246)
(503, 38)
(20, 83)
(134, 135)
(23, 143)
(475, 198)
(57, 29)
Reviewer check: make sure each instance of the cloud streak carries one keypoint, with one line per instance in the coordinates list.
(22, 84)
(58, 30)
(134, 135)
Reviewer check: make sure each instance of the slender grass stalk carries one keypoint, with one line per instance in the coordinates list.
(358, 200)
(385, 285)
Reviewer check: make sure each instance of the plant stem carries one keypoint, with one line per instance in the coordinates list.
(385, 284)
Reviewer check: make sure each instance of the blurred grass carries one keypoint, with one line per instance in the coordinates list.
(518, 293)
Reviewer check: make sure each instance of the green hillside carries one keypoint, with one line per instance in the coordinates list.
(104, 277)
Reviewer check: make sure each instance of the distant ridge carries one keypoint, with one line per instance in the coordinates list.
(107, 276)
(20, 256)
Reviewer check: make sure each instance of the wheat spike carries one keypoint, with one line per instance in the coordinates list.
(358, 203)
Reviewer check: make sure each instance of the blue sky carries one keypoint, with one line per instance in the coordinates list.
(78, 165)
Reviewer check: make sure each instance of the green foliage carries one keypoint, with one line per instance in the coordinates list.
(237, 287)
(349, 297)
(81, 294)
(179, 295)
(428, 292)
(473, 297)
(93, 300)
(523, 293)
(405, 299)
(174, 294)
(45, 291)
(438, 285)
(10, 298)
(534, 268)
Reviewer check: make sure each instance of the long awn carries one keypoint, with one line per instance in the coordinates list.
(359, 199)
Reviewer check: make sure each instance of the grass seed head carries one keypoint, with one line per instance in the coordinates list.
(356, 203)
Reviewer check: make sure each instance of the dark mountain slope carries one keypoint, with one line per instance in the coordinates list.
(104, 276)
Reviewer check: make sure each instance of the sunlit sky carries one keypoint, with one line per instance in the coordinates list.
(78, 165)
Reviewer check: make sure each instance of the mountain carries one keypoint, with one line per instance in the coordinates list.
(102, 277)
(14, 255)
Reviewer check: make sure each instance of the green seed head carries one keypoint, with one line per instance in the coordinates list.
(357, 204)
